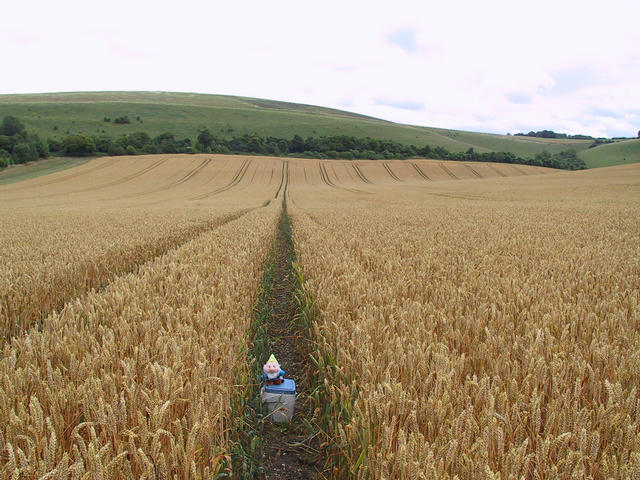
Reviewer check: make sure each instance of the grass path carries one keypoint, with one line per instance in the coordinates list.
(17, 173)
(289, 448)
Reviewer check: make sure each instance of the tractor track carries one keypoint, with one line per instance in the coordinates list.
(114, 183)
(237, 178)
(356, 167)
(281, 180)
(495, 169)
(420, 171)
(216, 173)
(519, 170)
(284, 178)
(458, 196)
(185, 178)
(192, 173)
(473, 171)
(291, 453)
(449, 172)
(325, 177)
(253, 176)
(391, 173)
(349, 174)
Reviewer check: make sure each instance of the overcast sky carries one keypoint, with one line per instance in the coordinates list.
(493, 66)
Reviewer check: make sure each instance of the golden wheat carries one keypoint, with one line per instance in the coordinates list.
(467, 327)
(67, 233)
(482, 330)
(135, 381)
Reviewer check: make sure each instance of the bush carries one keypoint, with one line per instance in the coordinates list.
(122, 120)
(131, 150)
(102, 144)
(7, 143)
(5, 159)
(24, 152)
(116, 150)
(139, 139)
(78, 145)
(11, 126)
(54, 145)
(42, 148)
(220, 149)
(149, 149)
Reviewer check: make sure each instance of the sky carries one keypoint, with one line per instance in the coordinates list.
(493, 66)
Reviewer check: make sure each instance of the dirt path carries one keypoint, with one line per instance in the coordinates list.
(289, 452)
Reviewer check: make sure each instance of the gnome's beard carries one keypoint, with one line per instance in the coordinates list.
(271, 376)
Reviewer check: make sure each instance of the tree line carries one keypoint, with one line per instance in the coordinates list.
(325, 147)
(19, 146)
(552, 134)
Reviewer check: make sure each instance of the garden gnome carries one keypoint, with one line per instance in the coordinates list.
(272, 375)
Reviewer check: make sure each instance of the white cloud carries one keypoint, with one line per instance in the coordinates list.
(492, 66)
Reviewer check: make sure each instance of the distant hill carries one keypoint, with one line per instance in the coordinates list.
(57, 115)
(617, 153)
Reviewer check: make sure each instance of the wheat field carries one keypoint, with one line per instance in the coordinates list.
(470, 320)
(484, 330)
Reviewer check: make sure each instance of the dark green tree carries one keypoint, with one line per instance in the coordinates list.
(205, 138)
(78, 145)
(11, 126)
(24, 152)
(297, 144)
(138, 140)
(166, 143)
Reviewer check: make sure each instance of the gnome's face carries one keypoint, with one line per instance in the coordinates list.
(271, 369)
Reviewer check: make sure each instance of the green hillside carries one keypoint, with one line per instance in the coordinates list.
(618, 153)
(17, 173)
(57, 115)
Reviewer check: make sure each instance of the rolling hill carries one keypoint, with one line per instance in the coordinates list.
(57, 115)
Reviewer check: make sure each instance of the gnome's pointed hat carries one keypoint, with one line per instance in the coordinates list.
(272, 358)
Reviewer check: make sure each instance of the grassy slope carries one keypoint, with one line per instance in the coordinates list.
(618, 153)
(17, 173)
(183, 114)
